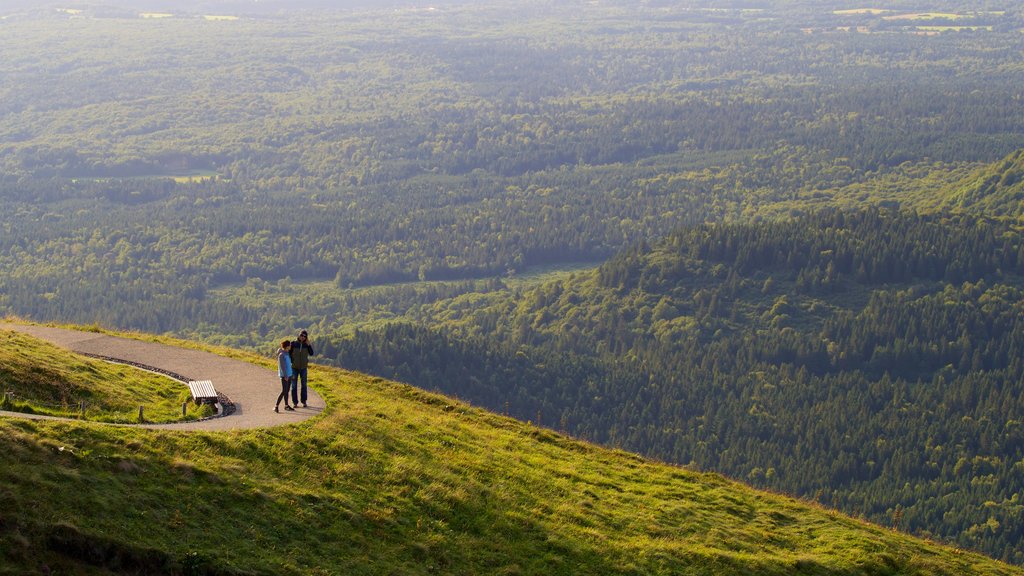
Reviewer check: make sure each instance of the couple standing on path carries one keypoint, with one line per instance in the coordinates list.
(292, 366)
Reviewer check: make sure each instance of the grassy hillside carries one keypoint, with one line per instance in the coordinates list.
(392, 480)
(38, 378)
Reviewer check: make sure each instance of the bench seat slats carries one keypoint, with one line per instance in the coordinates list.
(202, 390)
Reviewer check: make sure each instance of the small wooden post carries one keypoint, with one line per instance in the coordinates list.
(81, 409)
(140, 414)
(184, 408)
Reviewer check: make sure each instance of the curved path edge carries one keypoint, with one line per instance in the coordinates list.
(252, 389)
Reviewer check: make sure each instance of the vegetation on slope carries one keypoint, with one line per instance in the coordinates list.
(870, 360)
(391, 479)
(995, 190)
(39, 378)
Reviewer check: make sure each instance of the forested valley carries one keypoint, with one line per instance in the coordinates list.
(781, 242)
(870, 360)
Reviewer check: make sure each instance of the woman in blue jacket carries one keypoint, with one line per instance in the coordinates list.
(284, 371)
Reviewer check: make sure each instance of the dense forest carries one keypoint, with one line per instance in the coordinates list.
(870, 360)
(779, 241)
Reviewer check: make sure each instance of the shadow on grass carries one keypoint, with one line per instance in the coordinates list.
(122, 558)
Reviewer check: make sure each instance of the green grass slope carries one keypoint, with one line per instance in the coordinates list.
(995, 190)
(38, 378)
(871, 360)
(393, 480)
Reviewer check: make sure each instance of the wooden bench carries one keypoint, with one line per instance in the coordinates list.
(203, 391)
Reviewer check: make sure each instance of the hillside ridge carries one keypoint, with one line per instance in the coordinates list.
(393, 479)
(994, 190)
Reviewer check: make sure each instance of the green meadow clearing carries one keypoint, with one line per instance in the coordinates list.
(871, 11)
(931, 16)
(180, 178)
(953, 28)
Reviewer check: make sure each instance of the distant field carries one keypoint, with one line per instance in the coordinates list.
(304, 289)
(155, 15)
(197, 176)
(212, 17)
(543, 274)
(953, 28)
(744, 10)
(181, 178)
(873, 11)
(530, 275)
(929, 16)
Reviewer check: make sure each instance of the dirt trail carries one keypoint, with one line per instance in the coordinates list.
(250, 388)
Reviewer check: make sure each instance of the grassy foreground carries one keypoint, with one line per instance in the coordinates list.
(39, 378)
(393, 480)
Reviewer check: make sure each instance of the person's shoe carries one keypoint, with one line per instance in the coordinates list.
(303, 404)
(276, 410)
(289, 408)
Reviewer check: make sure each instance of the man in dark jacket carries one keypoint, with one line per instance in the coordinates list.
(300, 353)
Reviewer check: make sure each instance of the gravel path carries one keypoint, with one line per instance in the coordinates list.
(250, 388)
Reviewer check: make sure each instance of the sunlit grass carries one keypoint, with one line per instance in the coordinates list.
(40, 378)
(391, 479)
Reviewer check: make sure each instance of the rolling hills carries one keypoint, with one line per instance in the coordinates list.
(395, 480)
(869, 360)
(382, 176)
